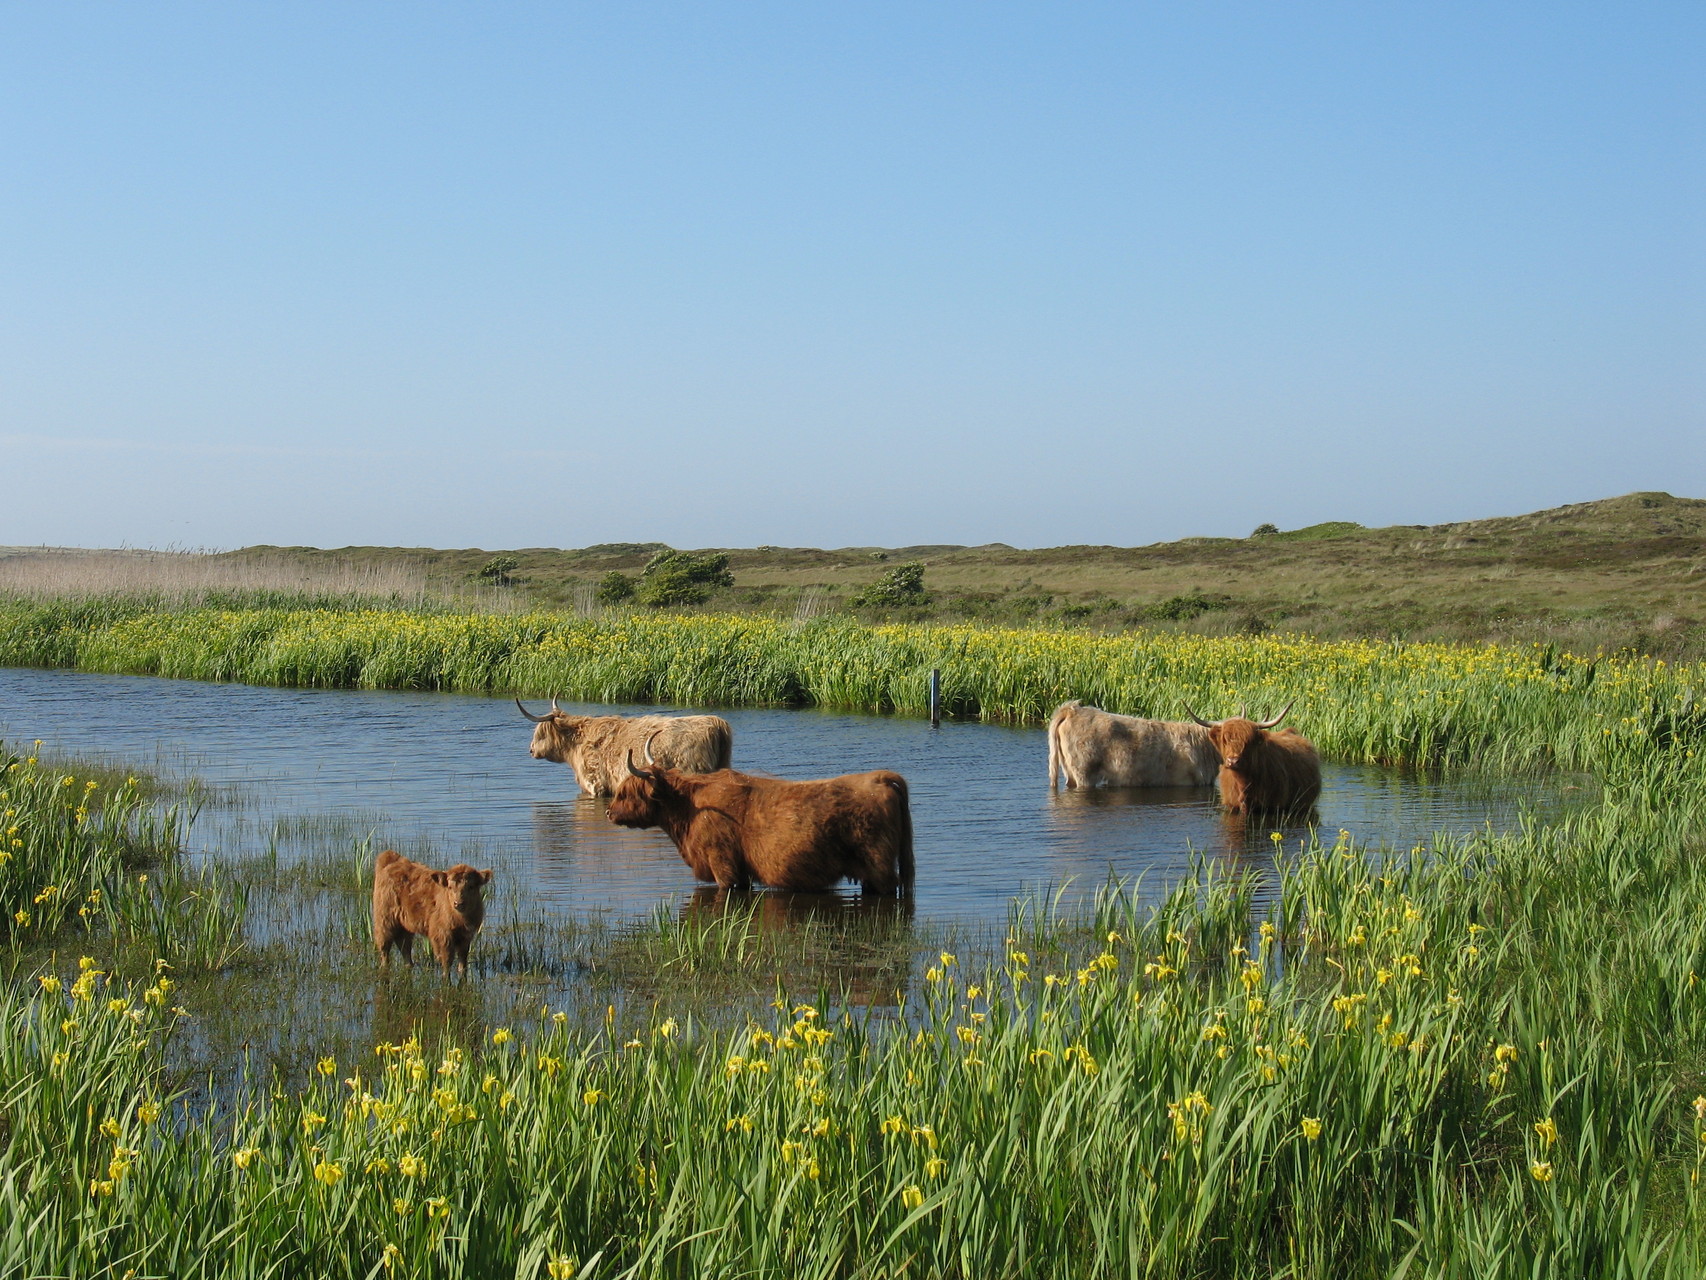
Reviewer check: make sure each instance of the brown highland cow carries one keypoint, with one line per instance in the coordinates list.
(1263, 771)
(737, 829)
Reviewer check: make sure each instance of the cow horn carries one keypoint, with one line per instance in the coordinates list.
(648, 748)
(1268, 724)
(631, 769)
(1193, 715)
(529, 714)
(1243, 710)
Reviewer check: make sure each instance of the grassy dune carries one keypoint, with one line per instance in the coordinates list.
(1622, 573)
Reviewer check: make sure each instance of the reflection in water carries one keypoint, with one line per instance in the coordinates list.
(451, 773)
(779, 909)
(864, 942)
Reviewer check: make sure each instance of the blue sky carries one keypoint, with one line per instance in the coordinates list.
(511, 275)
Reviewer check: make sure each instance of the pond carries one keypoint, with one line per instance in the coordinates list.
(448, 777)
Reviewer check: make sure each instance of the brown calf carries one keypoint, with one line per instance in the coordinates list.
(443, 906)
(736, 828)
(1263, 772)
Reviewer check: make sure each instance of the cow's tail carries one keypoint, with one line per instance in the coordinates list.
(724, 744)
(904, 868)
(1055, 764)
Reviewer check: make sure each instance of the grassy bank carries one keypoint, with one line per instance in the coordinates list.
(1497, 708)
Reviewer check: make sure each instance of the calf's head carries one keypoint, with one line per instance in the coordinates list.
(463, 883)
(554, 734)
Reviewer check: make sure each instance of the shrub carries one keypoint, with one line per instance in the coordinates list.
(677, 577)
(615, 587)
(901, 585)
(497, 570)
(1184, 608)
(1264, 530)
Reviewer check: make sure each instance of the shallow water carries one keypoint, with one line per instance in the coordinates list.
(450, 775)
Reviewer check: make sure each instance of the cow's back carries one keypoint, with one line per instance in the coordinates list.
(809, 835)
(1102, 748)
(692, 744)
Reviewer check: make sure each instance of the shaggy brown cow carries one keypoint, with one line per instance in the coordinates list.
(443, 906)
(595, 746)
(735, 828)
(1263, 772)
(1092, 747)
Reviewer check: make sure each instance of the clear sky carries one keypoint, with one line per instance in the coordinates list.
(508, 274)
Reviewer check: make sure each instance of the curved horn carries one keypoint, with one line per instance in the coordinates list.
(554, 706)
(1193, 715)
(649, 741)
(529, 714)
(1268, 724)
(631, 769)
(1243, 710)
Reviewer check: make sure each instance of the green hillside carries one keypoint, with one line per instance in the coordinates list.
(1618, 573)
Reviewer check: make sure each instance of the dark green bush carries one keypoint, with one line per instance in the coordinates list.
(678, 577)
(615, 587)
(901, 585)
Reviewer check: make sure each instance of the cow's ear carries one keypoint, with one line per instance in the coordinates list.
(439, 877)
(484, 877)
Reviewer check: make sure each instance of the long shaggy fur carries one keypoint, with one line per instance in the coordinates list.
(737, 829)
(596, 747)
(1265, 771)
(443, 906)
(1096, 748)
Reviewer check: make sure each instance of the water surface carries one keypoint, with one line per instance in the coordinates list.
(449, 775)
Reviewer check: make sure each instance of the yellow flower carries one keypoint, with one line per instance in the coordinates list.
(911, 1197)
(245, 1157)
(1505, 1053)
(560, 1268)
(411, 1166)
(311, 1121)
(1547, 1130)
(327, 1067)
(402, 1208)
(592, 1096)
(148, 1112)
(328, 1172)
(502, 1036)
(1311, 1128)
(668, 1028)
(437, 1207)
(49, 983)
(934, 1165)
(109, 1128)
(379, 1165)
(390, 1256)
(1542, 1170)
